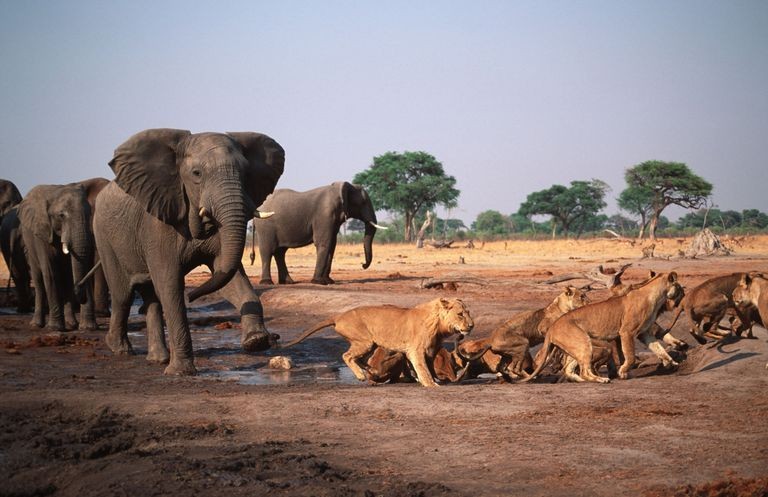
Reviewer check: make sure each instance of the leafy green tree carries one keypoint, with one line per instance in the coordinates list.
(713, 217)
(491, 222)
(637, 201)
(568, 206)
(753, 218)
(407, 183)
(672, 183)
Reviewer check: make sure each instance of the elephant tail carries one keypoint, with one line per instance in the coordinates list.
(310, 331)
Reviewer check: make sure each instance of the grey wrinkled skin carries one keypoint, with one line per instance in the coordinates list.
(12, 245)
(180, 200)
(314, 216)
(59, 247)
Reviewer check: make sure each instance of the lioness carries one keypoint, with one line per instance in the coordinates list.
(513, 339)
(417, 332)
(707, 304)
(624, 317)
(751, 294)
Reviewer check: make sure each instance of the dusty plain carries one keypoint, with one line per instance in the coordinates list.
(77, 421)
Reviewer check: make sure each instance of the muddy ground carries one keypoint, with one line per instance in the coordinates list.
(74, 420)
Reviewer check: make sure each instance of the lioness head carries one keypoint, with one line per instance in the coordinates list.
(571, 298)
(453, 316)
(747, 291)
(675, 291)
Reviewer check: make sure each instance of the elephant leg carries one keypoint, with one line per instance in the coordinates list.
(38, 318)
(266, 264)
(122, 298)
(329, 262)
(65, 292)
(282, 268)
(55, 311)
(157, 349)
(20, 273)
(100, 291)
(323, 254)
(240, 293)
(169, 287)
(87, 311)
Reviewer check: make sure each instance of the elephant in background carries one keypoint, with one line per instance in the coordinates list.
(58, 242)
(180, 200)
(12, 245)
(301, 218)
(100, 290)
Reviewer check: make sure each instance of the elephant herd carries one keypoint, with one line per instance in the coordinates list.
(178, 200)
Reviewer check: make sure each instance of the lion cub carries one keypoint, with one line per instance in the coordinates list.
(417, 332)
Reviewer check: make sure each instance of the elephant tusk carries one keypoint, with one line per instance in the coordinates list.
(262, 215)
(65, 248)
(377, 226)
(203, 212)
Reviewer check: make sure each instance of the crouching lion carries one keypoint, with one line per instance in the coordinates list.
(417, 332)
(625, 317)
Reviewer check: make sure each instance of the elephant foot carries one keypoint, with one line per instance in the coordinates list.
(119, 346)
(256, 341)
(56, 326)
(185, 367)
(37, 322)
(158, 357)
(88, 326)
(286, 281)
(266, 281)
(322, 281)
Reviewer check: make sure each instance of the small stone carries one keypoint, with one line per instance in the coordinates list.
(281, 362)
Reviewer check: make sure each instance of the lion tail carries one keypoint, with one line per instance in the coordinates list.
(546, 350)
(306, 333)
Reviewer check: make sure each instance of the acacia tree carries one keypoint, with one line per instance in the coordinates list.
(407, 183)
(637, 201)
(491, 222)
(670, 183)
(568, 207)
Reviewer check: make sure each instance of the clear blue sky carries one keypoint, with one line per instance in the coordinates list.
(511, 96)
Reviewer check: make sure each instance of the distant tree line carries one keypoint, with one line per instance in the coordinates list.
(410, 184)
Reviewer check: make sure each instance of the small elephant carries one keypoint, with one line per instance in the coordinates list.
(58, 242)
(180, 200)
(12, 245)
(315, 216)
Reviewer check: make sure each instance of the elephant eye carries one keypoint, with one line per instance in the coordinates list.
(196, 173)
(62, 215)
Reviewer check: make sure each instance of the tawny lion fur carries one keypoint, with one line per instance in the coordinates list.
(417, 332)
(625, 317)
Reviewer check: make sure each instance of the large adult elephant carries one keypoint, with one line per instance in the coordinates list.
(315, 216)
(58, 242)
(180, 200)
(12, 246)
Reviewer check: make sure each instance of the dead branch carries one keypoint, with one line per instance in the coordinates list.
(607, 277)
(440, 244)
(442, 280)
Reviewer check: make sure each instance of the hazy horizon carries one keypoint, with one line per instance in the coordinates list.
(511, 96)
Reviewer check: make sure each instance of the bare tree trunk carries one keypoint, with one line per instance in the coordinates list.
(423, 230)
(408, 226)
(652, 227)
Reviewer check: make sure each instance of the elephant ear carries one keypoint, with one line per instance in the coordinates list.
(145, 168)
(92, 188)
(266, 161)
(33, 214)
(344, 188)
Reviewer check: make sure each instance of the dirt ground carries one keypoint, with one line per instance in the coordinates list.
(74, 420)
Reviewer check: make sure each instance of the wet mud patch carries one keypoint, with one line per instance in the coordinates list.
(54, 449)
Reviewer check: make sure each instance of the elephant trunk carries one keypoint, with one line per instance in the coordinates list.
(370, 231)
(79, 243)
(228, 209)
